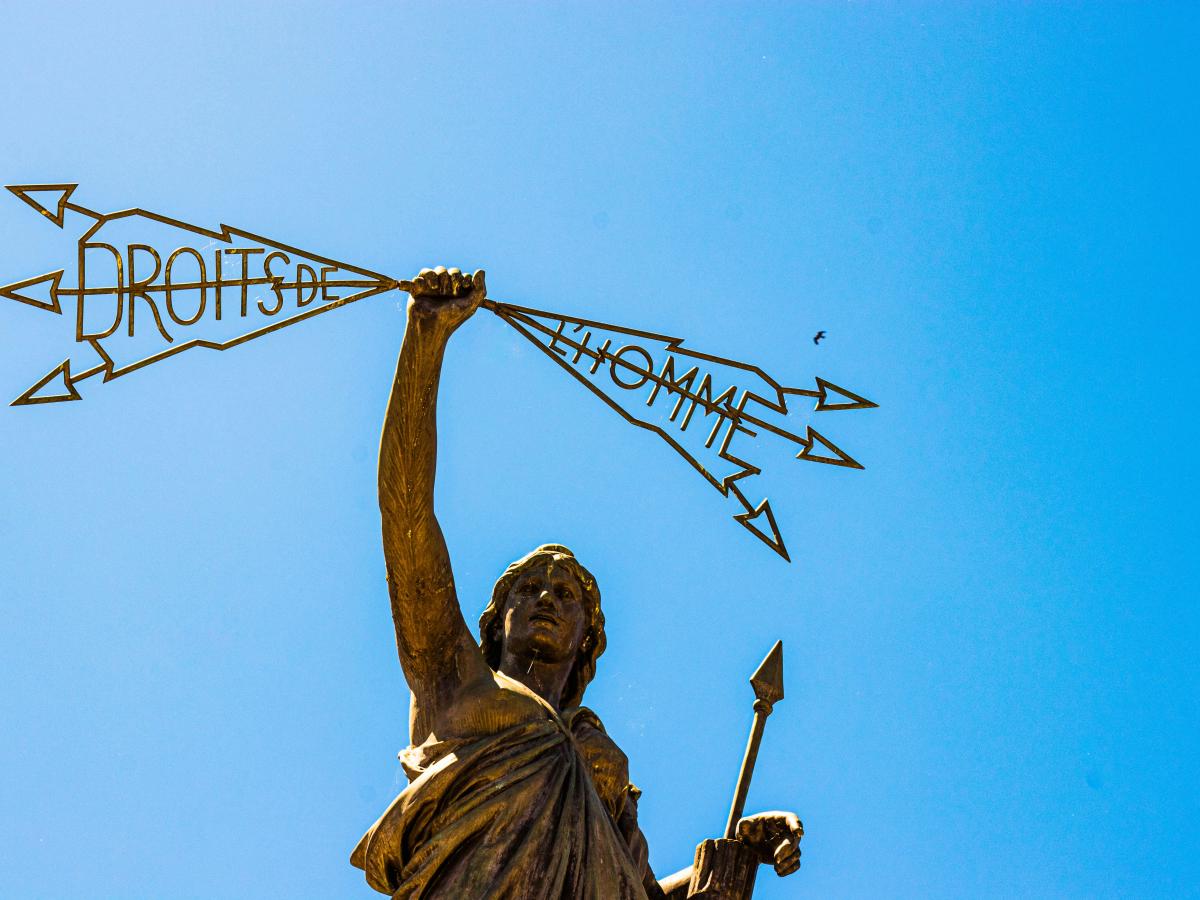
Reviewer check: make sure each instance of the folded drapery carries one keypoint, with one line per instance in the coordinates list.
(513, 815)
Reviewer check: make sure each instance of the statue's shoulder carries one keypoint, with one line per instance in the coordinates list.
(584, 720)
(608, 763)
(488, 707)
(590, 732)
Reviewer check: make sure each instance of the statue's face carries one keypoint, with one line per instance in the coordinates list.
(544, 615)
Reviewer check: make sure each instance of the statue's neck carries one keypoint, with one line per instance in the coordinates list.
(546, 679)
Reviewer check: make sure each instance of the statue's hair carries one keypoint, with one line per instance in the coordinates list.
(491, 621)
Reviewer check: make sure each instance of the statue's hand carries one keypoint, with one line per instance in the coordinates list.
(445, 297)
(775, 837)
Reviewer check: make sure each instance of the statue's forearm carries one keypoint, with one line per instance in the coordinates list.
(675, 887)
(429, 625)
(408, 449)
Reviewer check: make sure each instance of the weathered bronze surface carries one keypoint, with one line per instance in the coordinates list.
(516, 791)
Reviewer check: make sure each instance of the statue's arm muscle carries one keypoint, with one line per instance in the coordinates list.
(437, 652)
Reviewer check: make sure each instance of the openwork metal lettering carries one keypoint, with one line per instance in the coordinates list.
(135, 303)
(706, 407)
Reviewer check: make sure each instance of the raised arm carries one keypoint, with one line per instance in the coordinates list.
(437, 652)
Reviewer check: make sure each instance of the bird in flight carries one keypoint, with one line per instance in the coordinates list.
(817, 337)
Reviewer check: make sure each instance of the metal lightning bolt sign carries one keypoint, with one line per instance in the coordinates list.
(135, 303)
(708, 408)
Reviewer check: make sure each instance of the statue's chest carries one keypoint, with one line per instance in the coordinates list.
(499, 711)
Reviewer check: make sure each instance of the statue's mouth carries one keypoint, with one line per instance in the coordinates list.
(543, 617)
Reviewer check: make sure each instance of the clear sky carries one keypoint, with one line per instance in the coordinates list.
(990, 633)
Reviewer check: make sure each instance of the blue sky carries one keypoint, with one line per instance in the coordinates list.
(989, 633)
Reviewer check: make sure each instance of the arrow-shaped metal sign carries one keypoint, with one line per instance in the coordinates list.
(135, 303)
(706, 407)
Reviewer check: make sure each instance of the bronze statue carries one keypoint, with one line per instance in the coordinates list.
(516, 792)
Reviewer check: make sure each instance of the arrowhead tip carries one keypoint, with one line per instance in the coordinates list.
(767, 680)
(51, 201)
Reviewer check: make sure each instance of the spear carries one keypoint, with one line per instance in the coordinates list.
(767, 682)
(725, 869)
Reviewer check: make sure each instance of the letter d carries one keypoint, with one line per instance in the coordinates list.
(119, 290)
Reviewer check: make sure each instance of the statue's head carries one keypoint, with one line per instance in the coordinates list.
(546, 606)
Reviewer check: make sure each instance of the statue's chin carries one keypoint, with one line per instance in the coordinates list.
(539, 648)
(542, 639)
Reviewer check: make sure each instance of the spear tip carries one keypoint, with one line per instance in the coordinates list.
(767, 681)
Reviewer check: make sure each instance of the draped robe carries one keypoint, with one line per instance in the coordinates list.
(539, 810)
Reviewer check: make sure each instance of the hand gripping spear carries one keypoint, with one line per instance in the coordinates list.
(725, 868)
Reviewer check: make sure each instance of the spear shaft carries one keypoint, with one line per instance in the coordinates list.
(762, 709)
(767, 682)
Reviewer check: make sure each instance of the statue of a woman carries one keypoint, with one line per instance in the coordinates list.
(516, 792)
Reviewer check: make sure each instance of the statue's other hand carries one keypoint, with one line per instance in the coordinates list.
(446, 296)
(775, 837)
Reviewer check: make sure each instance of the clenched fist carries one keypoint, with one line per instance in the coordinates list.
(775, 837)
(445, 297)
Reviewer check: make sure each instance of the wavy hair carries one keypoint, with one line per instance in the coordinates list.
(491, 621)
